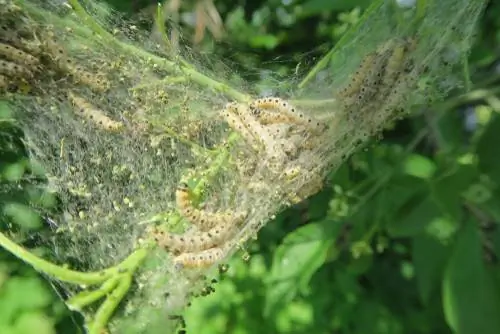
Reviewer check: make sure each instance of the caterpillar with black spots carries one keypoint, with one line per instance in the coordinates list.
(93, 114)
(18, 56)
(204, 220)
(14, 70)
(202, 259)
(272, 110)
(197, 241)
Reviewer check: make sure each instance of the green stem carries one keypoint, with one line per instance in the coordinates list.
(214, 168)
(50, 269)
(85, 298)
(160, 26)
(68, 275)
(107, 308)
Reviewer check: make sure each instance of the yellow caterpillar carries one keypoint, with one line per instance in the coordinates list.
(202, 259)
(93, 114)
(181, 243)
(14, 70)
(66, 64)
(273, 110)
(204, 220)
(18, 56)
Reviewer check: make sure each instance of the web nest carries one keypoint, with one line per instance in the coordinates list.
(142, 149)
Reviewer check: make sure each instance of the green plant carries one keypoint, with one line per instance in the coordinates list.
(107, 164)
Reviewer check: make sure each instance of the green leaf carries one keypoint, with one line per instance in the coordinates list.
(470, 301)
(14, 172)
(22, 293)
(429, 259)
(34, 322)
(419, 166)
(22, 215)
(488, 150)
(295, 261)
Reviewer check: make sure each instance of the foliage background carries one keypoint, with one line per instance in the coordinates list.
(404, 238)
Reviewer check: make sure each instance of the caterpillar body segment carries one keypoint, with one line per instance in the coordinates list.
(78, 74)
(93, 114)
(398, 63)
(204, 220)
(18, 56)
(273, 110)
(236, 123)
(14, 70)
(195, 242)
(358, 77)
(201, 259)
(264, 137)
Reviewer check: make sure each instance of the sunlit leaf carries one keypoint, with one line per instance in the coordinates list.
(295, 261)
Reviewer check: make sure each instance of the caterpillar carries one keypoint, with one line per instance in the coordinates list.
(202, 219)
(397, 63)
(235, 122)
(202, 259)
(199, 241)
(14, 70)
(93, 114)
(284, 113)
(363, 83)
(18, 56)
(262, 135)
(66, 64)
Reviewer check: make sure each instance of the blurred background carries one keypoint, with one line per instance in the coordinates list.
(404, 238)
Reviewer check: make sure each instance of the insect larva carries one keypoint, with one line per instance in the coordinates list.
(263, 134)
(93, 114)
(199, 241)
(202, 219)
(235, 122)
(357, 78)
(254, 127)
(92, 80)
(14, 70)
(202, 259)
(65, 63)
(17, 55)
(397, 62)
(285, 112)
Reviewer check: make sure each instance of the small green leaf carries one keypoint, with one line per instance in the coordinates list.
(295, 262)
(470, 300)
(419, 166)
(22, 215)
(14, 172)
